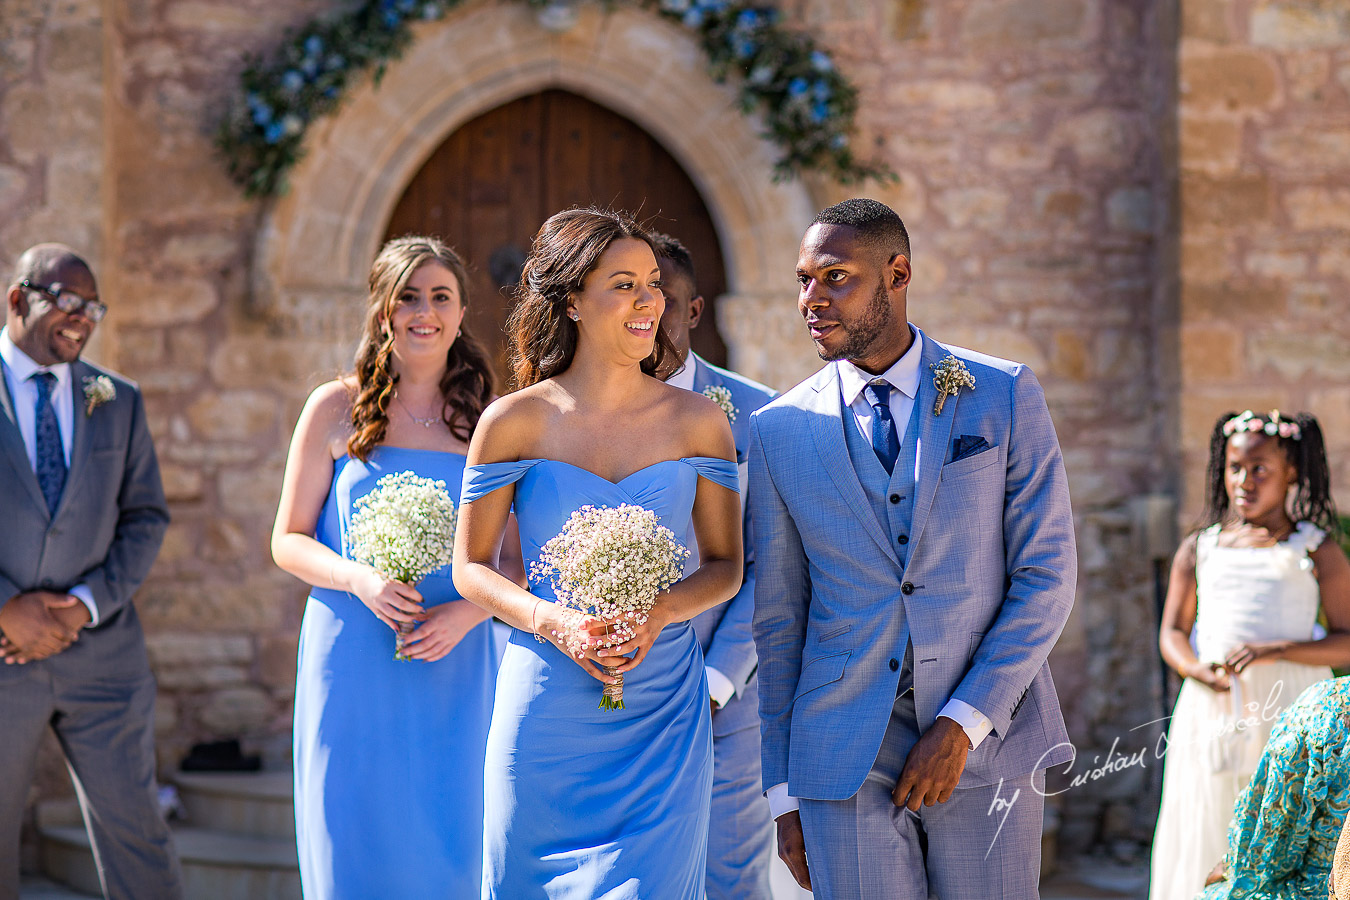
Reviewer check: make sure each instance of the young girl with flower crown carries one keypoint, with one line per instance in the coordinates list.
(1251, 584)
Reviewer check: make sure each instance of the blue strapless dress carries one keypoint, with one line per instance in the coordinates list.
(388, 755)
(584, 803)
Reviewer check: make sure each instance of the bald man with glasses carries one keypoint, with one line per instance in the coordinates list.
(84, 515)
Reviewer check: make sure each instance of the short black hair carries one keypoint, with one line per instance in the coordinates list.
(670, 248)
(876, 223)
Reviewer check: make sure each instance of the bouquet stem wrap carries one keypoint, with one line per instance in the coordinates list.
(405, 530)
(611, 562)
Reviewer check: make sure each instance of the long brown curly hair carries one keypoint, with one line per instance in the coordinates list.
(566, 250)
(466, 385)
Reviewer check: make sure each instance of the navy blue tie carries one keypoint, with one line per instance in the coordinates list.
(884, 442)
(51, 457)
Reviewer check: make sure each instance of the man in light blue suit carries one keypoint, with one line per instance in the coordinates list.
(915, 564)
(740, 834)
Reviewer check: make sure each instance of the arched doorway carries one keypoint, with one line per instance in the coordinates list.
(492, 183)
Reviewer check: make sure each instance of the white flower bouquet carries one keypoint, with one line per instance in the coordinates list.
(611, 562)
(405, 530)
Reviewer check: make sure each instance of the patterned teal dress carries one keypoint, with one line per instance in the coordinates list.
(1289, 818)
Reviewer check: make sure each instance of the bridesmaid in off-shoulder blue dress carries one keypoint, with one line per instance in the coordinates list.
(585, 802)
(388, 754)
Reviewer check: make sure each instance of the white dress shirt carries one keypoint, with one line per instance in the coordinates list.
(903, 376)
(720, 688)
(23, 391)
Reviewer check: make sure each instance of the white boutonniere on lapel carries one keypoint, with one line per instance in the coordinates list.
(98, 390)
(949, 376)
(722, 397)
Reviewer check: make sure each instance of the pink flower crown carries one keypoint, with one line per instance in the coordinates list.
(1271, 424)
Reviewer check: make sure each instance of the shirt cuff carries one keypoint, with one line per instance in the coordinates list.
(720, 687)
(975, 723)
(779, 800)
(86, 596)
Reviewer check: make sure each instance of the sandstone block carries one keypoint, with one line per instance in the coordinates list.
(1277, 264)
(180, 483)
(1333, 260)
(1221, 202)
(1206, 259)
(1025, 156)
(911, 20)
(949, 96)
(173, 649)
(75, 49)
(264, 362)
(69, 118)
(276, 661)
(1209, 353)
(1294, 355)
(224, 541)
(166, 715)
(236, 711)
(1210, 145)
(1307, 74)
(1228, 79)
(1207, 20)
(233, 415)
(198, 677)
(1316, 208)
(1061, 205)
(1304, 150)
(1316, 302)
(152, 301)
(977, 207)
(1100, 138)
(196, 252)
(251, 491)
(1033, 22)
(1300, 24)
(1230, 301)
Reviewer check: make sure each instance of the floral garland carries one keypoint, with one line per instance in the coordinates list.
(808, 106)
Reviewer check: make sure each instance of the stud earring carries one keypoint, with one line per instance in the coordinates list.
(571, 314)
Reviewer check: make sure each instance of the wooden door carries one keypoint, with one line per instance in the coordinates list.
(493, 182)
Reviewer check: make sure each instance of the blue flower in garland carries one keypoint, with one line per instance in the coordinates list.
(336, 62)
(745, 48)
(391, 18)
(797, 87)
(820, 111)
(748, 19)
(313, 45)
(821, 62)
(273, 133)
(822, 91)
(260, 112)
(693, 18)
(760, 76)
(675, 6)
(292, 81)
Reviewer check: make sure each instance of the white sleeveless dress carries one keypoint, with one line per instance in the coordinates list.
(1244, 594)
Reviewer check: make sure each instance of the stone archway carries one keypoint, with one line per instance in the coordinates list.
(316, 243)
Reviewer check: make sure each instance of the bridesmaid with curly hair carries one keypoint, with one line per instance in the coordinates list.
(389, 754)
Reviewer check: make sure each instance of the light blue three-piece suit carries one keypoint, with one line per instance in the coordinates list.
(740, 833)
(955, 583)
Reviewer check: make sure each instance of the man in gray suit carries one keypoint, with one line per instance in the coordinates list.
(915, 564)
(84, 515)
(740, 834)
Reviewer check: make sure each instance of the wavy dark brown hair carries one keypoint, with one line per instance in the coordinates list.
(1312, 500)
(566, 250)
(466, 385)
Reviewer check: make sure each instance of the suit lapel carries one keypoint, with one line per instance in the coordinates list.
(81, 440)
(11, 444)
(934, 435)
(828, 421)
(703, 376)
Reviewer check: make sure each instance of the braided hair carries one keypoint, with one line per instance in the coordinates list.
(1304, 448)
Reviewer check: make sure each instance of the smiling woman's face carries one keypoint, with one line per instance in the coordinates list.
(620, 304)
(427, 313)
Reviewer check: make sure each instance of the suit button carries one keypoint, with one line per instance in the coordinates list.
(895, 665)
(906, 588)
(902, 539)
(895, 498)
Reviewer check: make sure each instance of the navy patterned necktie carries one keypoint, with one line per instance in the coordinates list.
(884, 442)
(51, 457)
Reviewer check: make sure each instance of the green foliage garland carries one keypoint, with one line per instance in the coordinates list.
(808, 106)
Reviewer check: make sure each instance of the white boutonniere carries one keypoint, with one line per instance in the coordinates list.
(722, 397)
(98, 390)
(949, 376)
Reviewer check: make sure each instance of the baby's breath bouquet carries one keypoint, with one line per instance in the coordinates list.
(405, 530)
(611, 562)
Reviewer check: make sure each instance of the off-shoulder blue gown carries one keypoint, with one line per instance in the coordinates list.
(388, 755)
(584, 803)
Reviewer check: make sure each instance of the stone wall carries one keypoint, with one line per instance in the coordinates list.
(1037, 151)
(1265, 208)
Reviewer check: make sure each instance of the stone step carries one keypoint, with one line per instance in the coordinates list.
(258, 804)
(217, 865)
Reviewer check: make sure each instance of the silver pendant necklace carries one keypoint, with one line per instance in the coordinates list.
(428, 422)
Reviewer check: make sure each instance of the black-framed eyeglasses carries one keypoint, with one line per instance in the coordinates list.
(69, 302)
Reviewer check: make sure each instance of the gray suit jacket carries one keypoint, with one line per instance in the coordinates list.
(987, 588)
(106, 530)
(724, 630)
